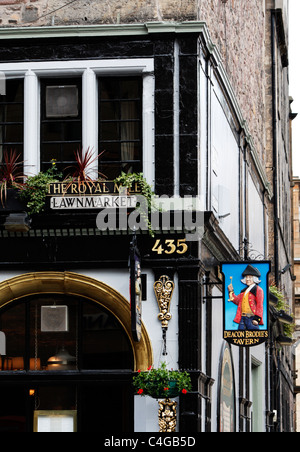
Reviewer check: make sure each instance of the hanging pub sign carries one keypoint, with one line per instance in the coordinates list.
(135, 291)
(246, 302)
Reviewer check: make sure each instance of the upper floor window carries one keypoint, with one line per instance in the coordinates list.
(53, 109)
(61, 122)
(12, 119)
(120, 125)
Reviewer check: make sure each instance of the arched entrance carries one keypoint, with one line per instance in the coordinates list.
(74, 367)
(74, 284)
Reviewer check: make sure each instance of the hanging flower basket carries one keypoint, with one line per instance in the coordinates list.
(162, 383)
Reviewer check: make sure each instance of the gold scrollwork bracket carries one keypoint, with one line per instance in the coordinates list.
(164, 289)
(167, 416)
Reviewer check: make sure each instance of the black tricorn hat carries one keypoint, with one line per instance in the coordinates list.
(251, 271)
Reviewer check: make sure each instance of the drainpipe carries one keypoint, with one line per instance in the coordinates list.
(276, 213)
(275, 142)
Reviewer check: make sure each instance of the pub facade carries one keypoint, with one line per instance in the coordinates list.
(152, 98)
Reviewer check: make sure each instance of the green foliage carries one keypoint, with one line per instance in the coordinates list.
(35, 190)
(129, 181)
(157, 382)
(282, 305)
(11, 174)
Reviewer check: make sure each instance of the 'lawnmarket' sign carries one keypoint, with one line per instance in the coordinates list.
(88, 195)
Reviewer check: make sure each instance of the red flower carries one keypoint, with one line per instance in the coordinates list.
(139, 371)
(149, 368)
(166, 389)
(140, 391)
(184, 391)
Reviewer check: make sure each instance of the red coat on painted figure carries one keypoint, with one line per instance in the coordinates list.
(256, 302)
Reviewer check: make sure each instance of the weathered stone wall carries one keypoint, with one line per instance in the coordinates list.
(45, 12)
(238, 29)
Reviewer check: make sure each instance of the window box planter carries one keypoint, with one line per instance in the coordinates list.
(285, 318)
(284, 340)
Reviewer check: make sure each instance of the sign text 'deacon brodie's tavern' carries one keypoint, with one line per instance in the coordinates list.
(246, 302)
(91, 195)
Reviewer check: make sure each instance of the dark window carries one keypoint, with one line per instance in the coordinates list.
(77, 358)
(120, 125)
(12, 119)
(61, 122)
(85, 334)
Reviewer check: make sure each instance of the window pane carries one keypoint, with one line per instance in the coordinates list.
(61, 122)
(12, 112)
(113, 170)
(12, 118)
(53, 350)
(105, 344)
(56, 397)
(12, 134)
(63, 333)
(12, 409)
(12, 323)
(120, 125)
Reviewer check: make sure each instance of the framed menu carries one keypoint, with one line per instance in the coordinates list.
(55, 421)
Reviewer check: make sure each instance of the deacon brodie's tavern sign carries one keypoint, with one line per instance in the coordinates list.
(91, 195)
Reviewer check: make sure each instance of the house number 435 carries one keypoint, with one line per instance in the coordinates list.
(170, 246)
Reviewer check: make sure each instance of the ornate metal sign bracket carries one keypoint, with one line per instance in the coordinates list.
(167, 415)
(164, 289)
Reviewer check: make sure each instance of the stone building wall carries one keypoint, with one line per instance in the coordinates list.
(238, 29)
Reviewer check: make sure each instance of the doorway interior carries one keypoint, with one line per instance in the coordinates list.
(67, 359)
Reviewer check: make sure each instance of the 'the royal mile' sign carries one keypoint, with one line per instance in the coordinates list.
(246, 302)
(91, 195)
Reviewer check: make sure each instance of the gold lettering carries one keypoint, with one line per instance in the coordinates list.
(116, 188)
(98, 188)
(90, 188)
(56, 189)
(105, 189)
(81, 188)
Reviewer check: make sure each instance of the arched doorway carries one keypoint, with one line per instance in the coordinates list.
(69, 355)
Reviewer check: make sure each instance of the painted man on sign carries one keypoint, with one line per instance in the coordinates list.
(250, 301)
(246, 309)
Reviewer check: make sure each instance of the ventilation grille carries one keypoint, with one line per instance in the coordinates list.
(54, 319)
(62, 101)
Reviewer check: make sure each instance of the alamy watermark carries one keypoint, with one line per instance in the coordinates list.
(169, 214)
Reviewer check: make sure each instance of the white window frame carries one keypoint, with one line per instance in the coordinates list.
(89, 70)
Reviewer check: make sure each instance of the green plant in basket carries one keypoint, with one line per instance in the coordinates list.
(162, 383)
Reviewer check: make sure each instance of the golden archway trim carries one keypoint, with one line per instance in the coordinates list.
(69, 283)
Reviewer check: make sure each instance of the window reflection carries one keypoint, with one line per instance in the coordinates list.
(12, 323)
(105, 344)
(45, 345)
(93, 339)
